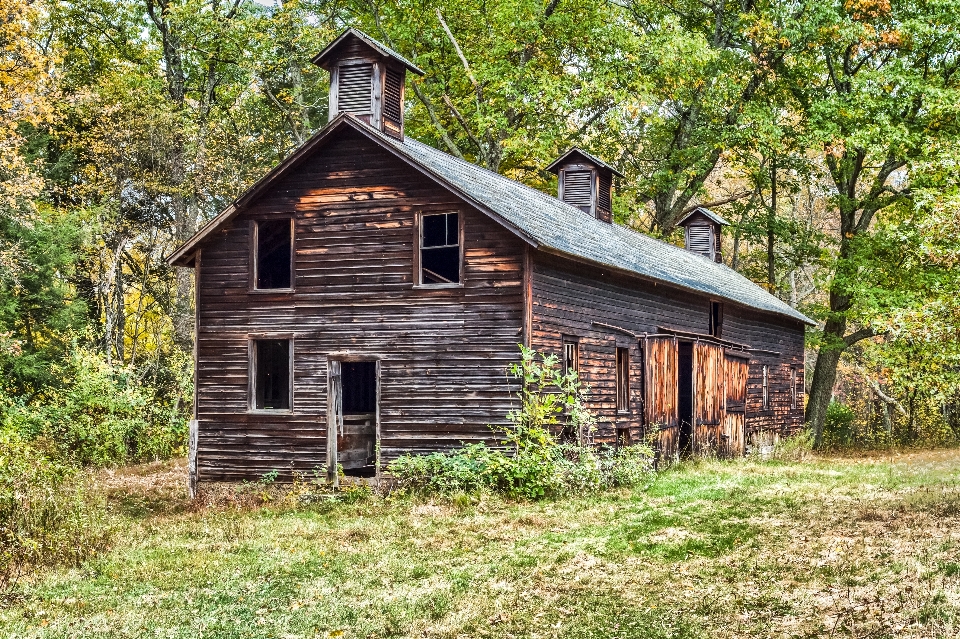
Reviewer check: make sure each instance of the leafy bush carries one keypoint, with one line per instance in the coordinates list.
(100, 415)
(533, 463)
(838, 425)
(47, 517)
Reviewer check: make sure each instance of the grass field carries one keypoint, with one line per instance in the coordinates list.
(864, 547)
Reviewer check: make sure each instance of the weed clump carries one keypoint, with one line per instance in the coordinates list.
(544, 450)
(47, 515)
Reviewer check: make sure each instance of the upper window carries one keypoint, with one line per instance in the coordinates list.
(271, 378)
(274, 259)
(716, 318)
(440, 249)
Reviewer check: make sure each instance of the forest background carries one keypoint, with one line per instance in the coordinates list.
(826, 132)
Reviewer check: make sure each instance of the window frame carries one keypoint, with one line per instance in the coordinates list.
(765, 388)
(566, 342)
(794, 395)
(622, 384)
(255, 254)
(252, 372)
(418, 282)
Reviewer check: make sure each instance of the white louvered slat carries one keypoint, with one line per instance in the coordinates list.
(355, 89)
(576, 188)
(700, 240)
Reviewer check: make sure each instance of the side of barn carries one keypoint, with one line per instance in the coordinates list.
(595, 319)
(428, 361)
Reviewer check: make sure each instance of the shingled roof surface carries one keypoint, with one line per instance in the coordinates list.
(566, 229)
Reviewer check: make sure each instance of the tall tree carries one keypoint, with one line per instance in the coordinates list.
(878, 91)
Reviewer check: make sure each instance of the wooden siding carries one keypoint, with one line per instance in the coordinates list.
(443, 352)
(708, 397)
(570, 298)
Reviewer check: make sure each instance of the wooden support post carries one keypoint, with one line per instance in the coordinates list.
(334, 419)
(193, 437)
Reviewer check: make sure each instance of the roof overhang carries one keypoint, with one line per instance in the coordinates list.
(574, 151)
(321, 59)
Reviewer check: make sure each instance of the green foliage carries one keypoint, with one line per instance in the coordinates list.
(535, 464)
(47, 515)
(100, 415)
(838, 426)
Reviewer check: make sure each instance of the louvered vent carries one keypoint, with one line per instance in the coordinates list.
(603, 200)
(392, 100)
(700, 240)
(355, 89)
(576, 189)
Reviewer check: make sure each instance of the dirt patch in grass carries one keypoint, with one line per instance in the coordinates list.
(853, 546)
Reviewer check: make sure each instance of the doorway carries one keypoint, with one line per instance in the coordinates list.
(685, 397)
(355, 396)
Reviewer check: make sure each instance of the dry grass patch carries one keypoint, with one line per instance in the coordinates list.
(841, 546)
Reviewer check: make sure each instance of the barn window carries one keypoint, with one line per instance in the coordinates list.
(355, 89)
(274, 258)
(623, 380)
(271, 374)
(716, 318)
(766, 389)
(440, 249)
(793, 388)
(571, 356)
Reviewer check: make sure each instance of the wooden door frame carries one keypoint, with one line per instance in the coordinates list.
(335, 408)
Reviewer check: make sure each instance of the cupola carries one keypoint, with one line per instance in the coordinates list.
(366, 79)
(702, 232)
(585, 182)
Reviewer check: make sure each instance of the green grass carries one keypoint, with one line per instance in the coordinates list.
(865, 547)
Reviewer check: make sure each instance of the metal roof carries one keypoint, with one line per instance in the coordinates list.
(540, 219)
(555, 165)
(378, 46)
(566, 229)
(706, 213)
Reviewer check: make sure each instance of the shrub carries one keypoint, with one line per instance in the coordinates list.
(838, 425)
(47, 517)
(533, 464)
(101, 415)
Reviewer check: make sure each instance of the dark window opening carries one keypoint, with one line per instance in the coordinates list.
(274, 247)
(766, 389)
(685, 396)
(440, 249)
(716, 318)
(623, 380)
(359, 381)
(793, 388)
(571, 357)
(272, 381)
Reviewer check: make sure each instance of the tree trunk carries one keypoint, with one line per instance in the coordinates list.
(825, 370)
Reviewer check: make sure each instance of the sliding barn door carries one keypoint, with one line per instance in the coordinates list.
(708, 397)
(660, 392)
(736, 370)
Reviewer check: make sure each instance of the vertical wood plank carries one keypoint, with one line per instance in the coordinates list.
(334, 418)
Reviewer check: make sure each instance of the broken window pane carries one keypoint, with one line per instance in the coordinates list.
(272, 382)
(359, 381)
(440, 249)
(274, 244)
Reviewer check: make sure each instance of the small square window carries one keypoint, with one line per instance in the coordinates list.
(274, 261)
(440, 249)
(271, 363)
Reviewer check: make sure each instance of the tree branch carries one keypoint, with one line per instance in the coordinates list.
(720, 202)
(883, 396)
(432, 114)
(856, 336)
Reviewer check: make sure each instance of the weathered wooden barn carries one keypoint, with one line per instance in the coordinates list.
(365, 298)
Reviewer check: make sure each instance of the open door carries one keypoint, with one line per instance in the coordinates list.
(660, 393)
(736, 369)
(708, 396)
(352, 418)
